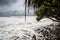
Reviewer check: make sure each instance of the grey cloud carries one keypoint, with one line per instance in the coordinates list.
(15, 9)
(14, 13)
(5, 2)
(11, 13)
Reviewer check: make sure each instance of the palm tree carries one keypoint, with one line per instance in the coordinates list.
(46, 8)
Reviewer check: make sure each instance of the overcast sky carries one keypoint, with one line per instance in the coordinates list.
(12, 7)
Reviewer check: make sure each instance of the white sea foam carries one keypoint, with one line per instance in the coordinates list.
(12, 28)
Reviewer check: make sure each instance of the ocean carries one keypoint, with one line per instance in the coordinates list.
(15, 28)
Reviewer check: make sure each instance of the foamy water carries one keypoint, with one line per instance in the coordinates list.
(15, 28)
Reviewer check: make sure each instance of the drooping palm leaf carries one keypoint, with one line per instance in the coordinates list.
(25, 8)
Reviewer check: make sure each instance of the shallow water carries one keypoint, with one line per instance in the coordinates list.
(15, 28)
